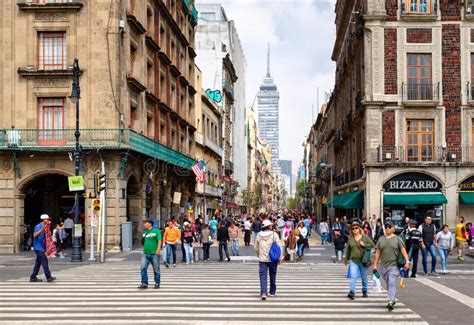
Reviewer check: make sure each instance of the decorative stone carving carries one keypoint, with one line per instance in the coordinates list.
(51, 83)
(6, 165)
(51, 163)
(52, 16)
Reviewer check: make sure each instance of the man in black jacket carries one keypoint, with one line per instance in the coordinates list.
(256, 228)
(413, 241)
(223, 238)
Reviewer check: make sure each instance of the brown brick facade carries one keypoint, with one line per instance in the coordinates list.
(419, 35)
(451, 56)
(451, 10)
(390, 45)
(391, 9)
(388, 127)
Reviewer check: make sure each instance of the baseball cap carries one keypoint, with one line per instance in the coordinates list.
(44, 217)
(412, 222)
(388, 222)
(266, 223)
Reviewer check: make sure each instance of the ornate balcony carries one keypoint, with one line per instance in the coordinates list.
(422, 94)
(421, 154)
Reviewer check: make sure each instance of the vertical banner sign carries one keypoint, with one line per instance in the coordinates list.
(177, 198)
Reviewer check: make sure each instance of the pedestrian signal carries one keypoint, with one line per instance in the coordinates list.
(96, 204)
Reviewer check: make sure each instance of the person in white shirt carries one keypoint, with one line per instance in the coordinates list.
(324, 231)
(68, 225)
(303, 232)
(247, 230)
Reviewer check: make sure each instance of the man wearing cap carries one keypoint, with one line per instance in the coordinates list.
(413, 242)
(387, 251)
(151, 254)
(39, 244)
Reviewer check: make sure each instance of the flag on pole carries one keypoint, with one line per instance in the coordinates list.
(199, 170)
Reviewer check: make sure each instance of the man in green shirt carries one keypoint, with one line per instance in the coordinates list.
(151, 254)
(387, 251)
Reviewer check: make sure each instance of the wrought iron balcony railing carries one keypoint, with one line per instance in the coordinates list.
(420, 92)
(421, 154)
(91, 139)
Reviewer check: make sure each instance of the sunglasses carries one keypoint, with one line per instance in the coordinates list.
(388, 226)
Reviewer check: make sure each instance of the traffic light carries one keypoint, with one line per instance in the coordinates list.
(96, 205)
(100, 183)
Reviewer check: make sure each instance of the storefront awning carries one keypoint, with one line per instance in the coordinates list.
(466, 197)
(351, 200)
(404, 198)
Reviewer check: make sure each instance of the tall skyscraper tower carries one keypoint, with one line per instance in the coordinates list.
(268, 114)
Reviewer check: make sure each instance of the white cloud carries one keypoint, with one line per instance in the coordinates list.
(301, 34)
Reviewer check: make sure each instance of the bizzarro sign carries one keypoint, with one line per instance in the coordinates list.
(412, 182)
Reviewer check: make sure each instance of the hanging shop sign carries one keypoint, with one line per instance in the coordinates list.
(412, 182)
(467, 185)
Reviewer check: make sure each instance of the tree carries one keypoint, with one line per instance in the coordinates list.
(291, 203)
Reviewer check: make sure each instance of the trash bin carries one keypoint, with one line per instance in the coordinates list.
(127, 236)
(196, 254)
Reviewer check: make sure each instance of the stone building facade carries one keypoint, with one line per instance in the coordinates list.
(136, 110)
(402, 140)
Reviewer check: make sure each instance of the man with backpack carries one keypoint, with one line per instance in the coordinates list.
(413, 241)
(461, 238)
(268, 258)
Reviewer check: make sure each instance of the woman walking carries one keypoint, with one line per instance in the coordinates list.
(206, 238)
(356, 245)
(367, 230)
(234, 239)
(303, 232)
(189, 237)
(262, 246)
(446, 244)
(247, 226)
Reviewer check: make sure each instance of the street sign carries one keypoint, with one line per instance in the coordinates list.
(77, 230)
(94, 220)
(76, 183)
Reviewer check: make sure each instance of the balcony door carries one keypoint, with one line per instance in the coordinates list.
(419, 140)
(51, 120)
(419, 84)
(420, 7)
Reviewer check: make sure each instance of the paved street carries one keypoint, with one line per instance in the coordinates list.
(200, 293)
(204, 293)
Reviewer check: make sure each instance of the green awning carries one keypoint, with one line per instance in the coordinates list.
(414, 198)
(353, 200)
(466, 197)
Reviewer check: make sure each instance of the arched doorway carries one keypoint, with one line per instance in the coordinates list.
(48, 193)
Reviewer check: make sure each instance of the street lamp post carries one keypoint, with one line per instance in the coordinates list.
(331, 207)
(76, 255)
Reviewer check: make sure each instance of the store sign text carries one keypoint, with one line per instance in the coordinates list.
(413, 185)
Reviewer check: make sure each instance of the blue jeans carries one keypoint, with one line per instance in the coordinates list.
(355, 267)
(155, 262)
(424, 254)
(324, 238)
(234, 246)
(188, 248)
(443, 254)
(255, 234)
(41, 260)
(170, 248)
(300, 249)
(263, 269)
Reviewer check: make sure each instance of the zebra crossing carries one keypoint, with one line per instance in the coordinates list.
(202, 293)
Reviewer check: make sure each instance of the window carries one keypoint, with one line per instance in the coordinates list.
(209, 16)
(51, 50)
(133, 56)
(149, 77)
(51, 121)
(149, 127)
(162, 130)
(149, 20)
(419, 85)
(419, 140)
(421, 7)
(132, 116)
(471, 88)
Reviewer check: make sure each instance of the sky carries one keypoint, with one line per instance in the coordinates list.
(301, 34)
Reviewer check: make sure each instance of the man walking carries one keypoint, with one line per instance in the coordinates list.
(461, 238)
(324, 231)
(171, 239)
(151, 254)
(42, 244)
(428, 235)
(223, 238)
(387, 251)
(413, 241)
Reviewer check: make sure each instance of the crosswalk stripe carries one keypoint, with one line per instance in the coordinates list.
(195, 294)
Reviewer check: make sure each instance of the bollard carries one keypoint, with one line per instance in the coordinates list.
(339, 255)
(292, 256)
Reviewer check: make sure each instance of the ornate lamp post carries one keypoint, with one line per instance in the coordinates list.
(76, 255)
